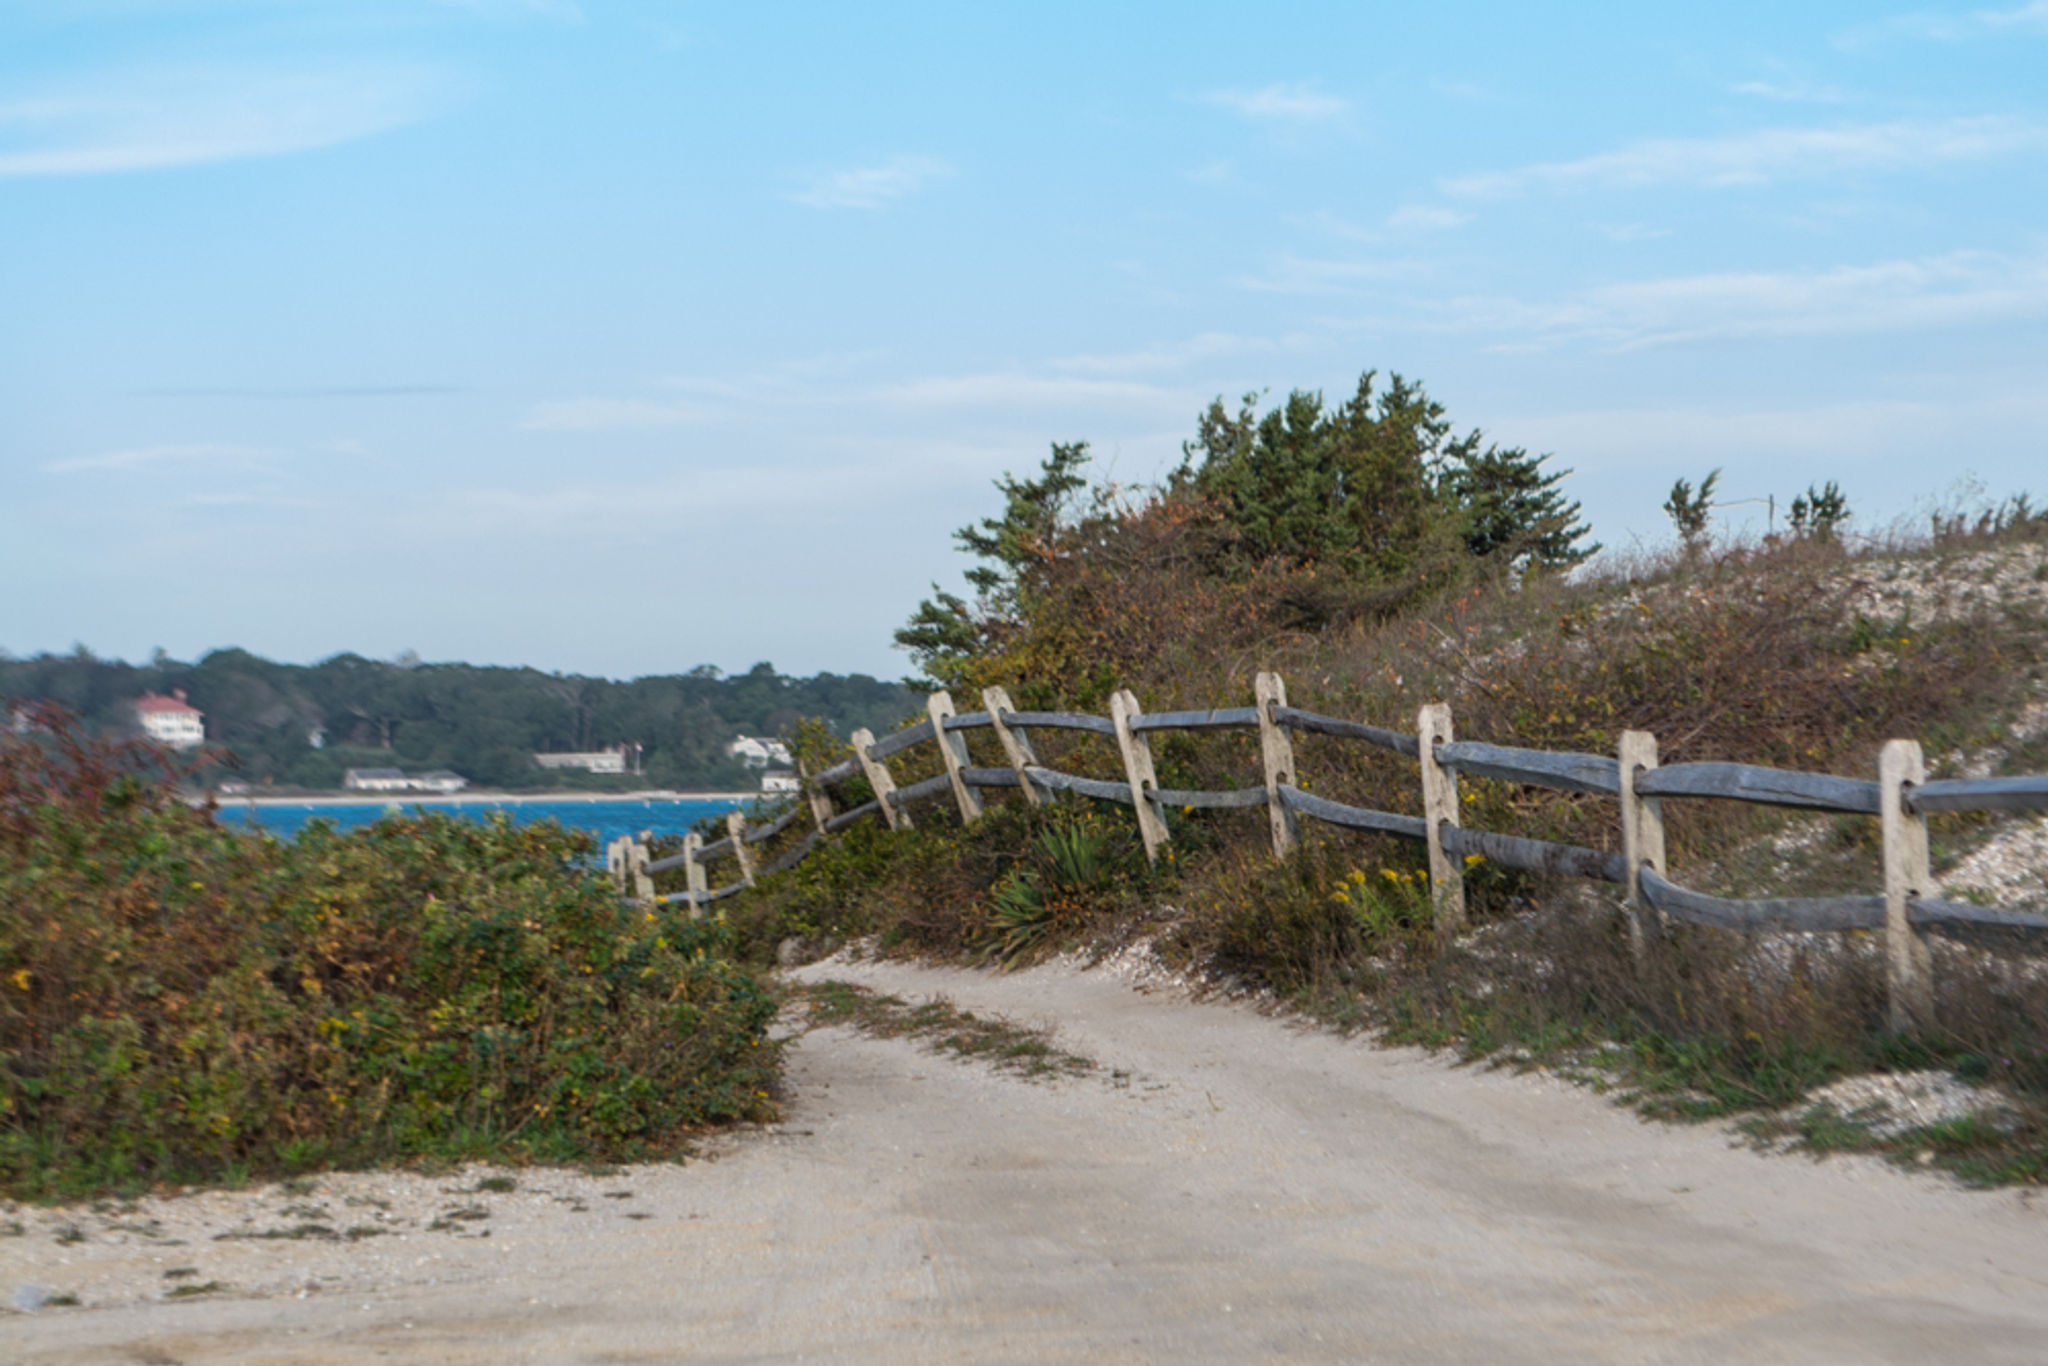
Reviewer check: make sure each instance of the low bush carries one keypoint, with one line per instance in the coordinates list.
(184, 1002)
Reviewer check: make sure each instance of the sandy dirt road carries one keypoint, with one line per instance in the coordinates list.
(1225, 1189)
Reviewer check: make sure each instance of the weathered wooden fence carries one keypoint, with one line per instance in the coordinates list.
(1901, 798)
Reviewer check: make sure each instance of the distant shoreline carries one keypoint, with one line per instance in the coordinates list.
(405, 799)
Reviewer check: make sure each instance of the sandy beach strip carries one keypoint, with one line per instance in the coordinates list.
(409, 799)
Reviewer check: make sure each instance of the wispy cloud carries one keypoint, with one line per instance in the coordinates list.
(871, 187)
(1291, 274)
(337, 391)
(562, 11)
(1958, 289)
(1178, 356)
(1425, 218)
(1950, 26)
(1630, 232)
(1771, 154)
(613, 414)
(151, 119)
(1791, 92)
(138, 457)
(242, 499)
(1283, 103)
(1018, 388)
(1695, 437)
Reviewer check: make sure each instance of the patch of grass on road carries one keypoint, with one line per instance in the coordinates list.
(942, 1027)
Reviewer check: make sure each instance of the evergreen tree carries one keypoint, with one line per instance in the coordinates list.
(1349, 486)
(1512, 507)
(1014, 551)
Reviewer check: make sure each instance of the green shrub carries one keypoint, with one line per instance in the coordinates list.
(184, 1002)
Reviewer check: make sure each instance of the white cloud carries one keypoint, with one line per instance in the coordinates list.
(235, 500)
(138, 457)
(613, 415)
(1959, 289)
(1016, 388)
(562, 11)
(870, 187)
(1282, 103)
(1770, 154)
(1216, 175)
(1425, 218)
(1203, 346)
(1948, 26)
(1791, 92)
(589, 508)
(147, 119)
(1291, 274)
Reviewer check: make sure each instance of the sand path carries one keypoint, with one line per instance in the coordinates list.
(1226, 1188)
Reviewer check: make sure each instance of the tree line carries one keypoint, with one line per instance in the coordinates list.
(304, 725)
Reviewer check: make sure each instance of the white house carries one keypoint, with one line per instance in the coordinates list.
(759, 751)
(611, 760)
(397, 780)
(170, 721)
(780, 782)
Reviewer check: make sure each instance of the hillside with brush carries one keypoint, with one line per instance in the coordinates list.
(1378, 561)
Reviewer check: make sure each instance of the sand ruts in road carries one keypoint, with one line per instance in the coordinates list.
(1244, 1190)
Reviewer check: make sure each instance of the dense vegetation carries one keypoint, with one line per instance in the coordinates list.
(1307, 518)
(183, 1002)
(485, 723)
(1356, 552)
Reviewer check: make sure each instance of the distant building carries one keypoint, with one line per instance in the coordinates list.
(759, 751)
(397, 780)
(171, 721)
(780, 782)
(611, 760)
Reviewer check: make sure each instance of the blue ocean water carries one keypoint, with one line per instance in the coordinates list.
(607, 820)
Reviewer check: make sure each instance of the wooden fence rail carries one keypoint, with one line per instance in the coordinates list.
(1901, 798)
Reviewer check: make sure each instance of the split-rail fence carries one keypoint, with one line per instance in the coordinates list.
(1901, 798)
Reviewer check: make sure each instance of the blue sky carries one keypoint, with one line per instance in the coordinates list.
(624, 337)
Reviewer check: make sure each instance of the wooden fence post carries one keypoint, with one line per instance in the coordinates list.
(1909, 965)
(878, 778)
(1138, 771)
(817, 796)
(1440, 808)
(1276, 753)
(1016, 744)
(637, 861)
(736, 827)
(1642, 838)
(953, 752)
(615, 862)
(695, 884)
